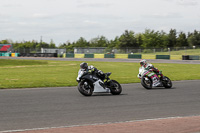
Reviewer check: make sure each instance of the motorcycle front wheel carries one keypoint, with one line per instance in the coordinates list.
(146, 82)
(115, 87)
(167, 83)
(85, 88)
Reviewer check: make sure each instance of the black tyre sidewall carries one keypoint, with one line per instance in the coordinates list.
(166, 85)
(113, 91)
(82, 91)
(143, 83)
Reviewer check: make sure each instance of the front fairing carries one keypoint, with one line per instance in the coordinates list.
(80, 74)
(147, 73)
(142, 71)
(85, 74)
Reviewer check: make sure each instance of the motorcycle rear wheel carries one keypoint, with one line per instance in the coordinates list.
(167, 83)
(85, 88)
(115, 87)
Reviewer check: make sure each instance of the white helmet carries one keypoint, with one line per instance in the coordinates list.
(143, 62)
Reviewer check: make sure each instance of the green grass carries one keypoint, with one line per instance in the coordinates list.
(29, 73)
(179, 52)
(174, 55)
(4, 62)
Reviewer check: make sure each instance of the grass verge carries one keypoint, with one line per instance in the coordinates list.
(29, 73)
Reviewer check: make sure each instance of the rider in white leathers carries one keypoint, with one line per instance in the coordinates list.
(145, 65)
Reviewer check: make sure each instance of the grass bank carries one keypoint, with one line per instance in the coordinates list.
(29, 73)
(178, 52)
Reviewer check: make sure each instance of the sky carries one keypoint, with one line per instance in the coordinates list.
(67, 20)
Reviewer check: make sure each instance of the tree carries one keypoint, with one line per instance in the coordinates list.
(172, 38)
(139, 39)
(127, 40)
(99, 42)
(4, 42)
(164, 40)
(81, 42)
(181, 40)
(194, 39)
(151, 39)
(52, 44)
(148, 39)
(114, 43)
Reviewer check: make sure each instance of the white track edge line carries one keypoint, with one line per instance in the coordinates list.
(46, 128)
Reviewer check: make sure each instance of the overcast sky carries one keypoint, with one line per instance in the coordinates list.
(68, 20)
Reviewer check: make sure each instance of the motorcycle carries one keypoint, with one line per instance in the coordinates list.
(150, 79)
(89, 82)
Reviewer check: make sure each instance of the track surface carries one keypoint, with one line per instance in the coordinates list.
(55, 107)
(59, 109)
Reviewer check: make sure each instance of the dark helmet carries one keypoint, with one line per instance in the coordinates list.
(84, 65)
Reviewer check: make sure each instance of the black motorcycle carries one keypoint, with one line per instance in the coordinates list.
(89, 82)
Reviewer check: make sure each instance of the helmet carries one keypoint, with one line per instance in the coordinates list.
(84, 65)
(143, 62)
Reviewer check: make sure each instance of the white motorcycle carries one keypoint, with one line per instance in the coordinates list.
(89, 82)
(150, 79)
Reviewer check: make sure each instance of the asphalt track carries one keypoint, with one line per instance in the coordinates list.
(43, 108)
(65, 106)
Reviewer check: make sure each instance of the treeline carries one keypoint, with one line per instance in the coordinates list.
(129, 39)
(29, 44)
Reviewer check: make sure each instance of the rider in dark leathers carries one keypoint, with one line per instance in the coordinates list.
(92, 69)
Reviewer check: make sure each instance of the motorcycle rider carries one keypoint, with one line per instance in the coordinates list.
(149, 66)
(91, 69)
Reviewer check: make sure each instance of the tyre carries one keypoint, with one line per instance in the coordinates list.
(85, 88)
(167, 83)
(115, 87)
(146, 82)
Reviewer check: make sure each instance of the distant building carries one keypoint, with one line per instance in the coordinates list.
(89, 50)
(5, 47)
(53, 50)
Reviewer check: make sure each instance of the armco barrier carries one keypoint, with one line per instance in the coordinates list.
(89, 56)
(190, 57)
(175, 57)
(7, 54)
(79, 56)
(12, 54)
(163, 57)
(148, 56)
(121, 56)
(193, 57)
(135, 56)
(185, 57)
(109, 56)
(98, 55)
(39, 54)
(69, 55)
(17, 54)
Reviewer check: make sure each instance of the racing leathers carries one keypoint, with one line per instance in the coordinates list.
(149, 66)
(99, 73)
